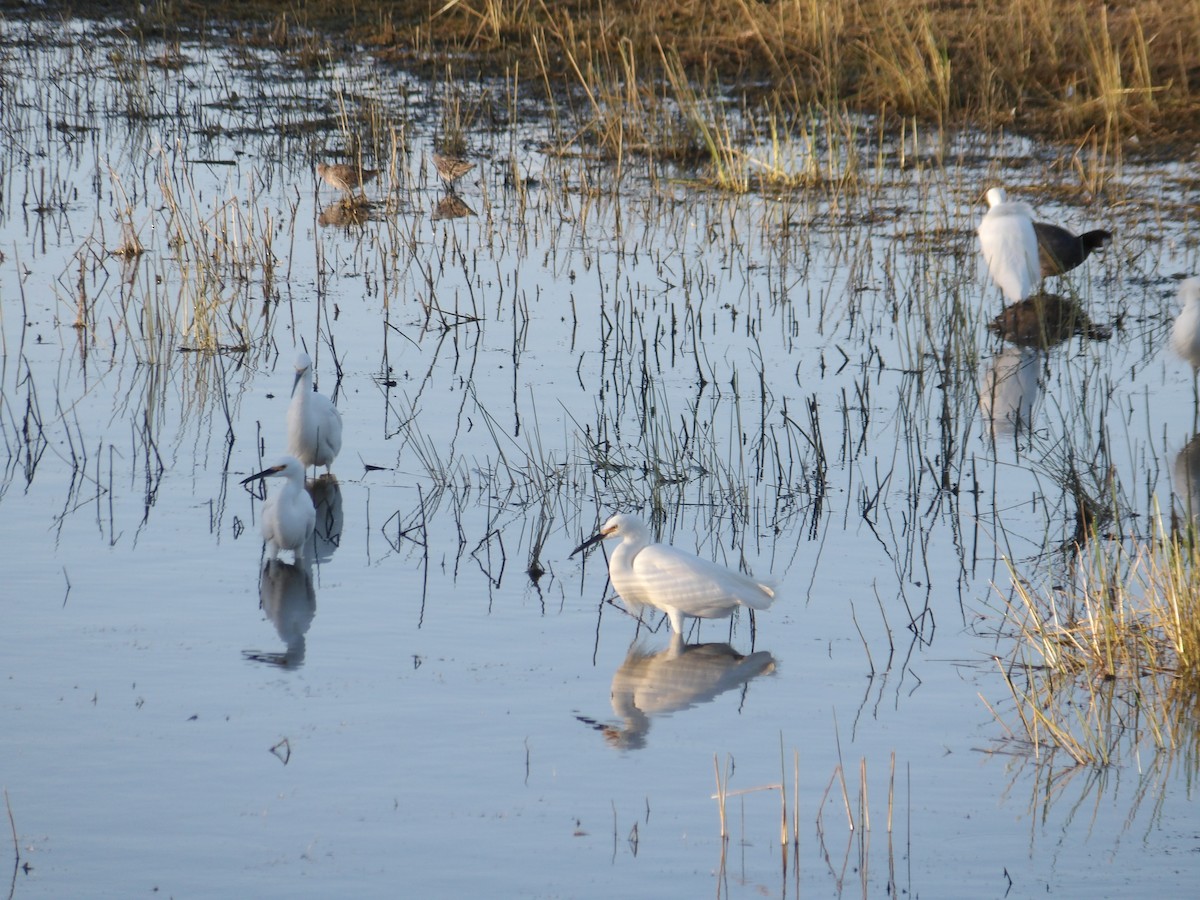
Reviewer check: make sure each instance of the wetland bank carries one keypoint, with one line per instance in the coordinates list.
(763, 328)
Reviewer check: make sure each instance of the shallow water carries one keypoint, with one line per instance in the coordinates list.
(789, 382)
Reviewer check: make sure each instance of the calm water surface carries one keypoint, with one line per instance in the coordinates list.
(789, 383)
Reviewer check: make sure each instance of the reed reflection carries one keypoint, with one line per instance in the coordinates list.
(657, 683)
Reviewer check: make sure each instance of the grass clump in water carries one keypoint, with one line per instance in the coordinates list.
(1112, 659)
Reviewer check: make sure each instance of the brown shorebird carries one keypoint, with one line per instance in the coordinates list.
(451, 168)
(345, 178)
(1060, 250)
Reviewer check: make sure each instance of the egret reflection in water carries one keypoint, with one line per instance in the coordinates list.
(1186, 474)
(658, 683)
(288, 599)
(326, 496)
(1009, 385)
(1008, 388)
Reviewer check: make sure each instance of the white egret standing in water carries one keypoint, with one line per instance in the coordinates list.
(1185, 335)
(314, 424)
(674, 581)
(288, 516)
(1010, 246)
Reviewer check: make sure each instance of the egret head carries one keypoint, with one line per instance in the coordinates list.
(1189, 291)
(287, 467)
(620, 525)
(303, 366)
(996, 196)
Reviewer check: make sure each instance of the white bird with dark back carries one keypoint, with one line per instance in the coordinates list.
(674, 581)
(288, 516)
(314, 424)
(1010, 246)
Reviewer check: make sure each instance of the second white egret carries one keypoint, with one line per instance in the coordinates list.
(1185, 333)
(288, 516)
(314, 423)
(1010, 246)
(674, 581)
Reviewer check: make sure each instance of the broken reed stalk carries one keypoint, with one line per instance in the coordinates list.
(720, 795)
(783, 821)
(13, 825)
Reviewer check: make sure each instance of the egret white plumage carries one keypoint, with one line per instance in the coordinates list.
(288, 515)
(1010, 246)
(674, 581)
(314, 424)
(1185, 336)
(1185, 333)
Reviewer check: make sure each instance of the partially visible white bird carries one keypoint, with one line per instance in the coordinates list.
(1185, 333)
(288, 515)
(314, 424)
(1010, 246)
(674, 581)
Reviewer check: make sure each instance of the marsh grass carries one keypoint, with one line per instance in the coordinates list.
(855, 803)
(1060, 68)
(1102, 661)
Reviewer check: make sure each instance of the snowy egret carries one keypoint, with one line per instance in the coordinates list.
(1010, 246)
(451, 168)
(1185, 333)
(1060, 250)
(288, 516)
(1185, 336)
(343, 177)
(674, 581)
(314, 424)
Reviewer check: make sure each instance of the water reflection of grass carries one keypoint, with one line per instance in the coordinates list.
(1110, 661)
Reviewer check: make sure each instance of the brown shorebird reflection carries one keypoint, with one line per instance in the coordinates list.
(345, 213)
(1009, 384)
(1046, 320)
(451, 207)
(683, 675)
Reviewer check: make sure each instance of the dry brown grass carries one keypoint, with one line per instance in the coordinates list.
(1065, 69)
